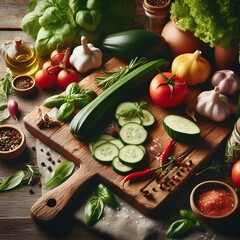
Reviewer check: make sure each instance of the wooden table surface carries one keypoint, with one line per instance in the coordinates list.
(15, 219)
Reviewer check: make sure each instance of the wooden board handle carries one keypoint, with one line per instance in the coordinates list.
(57, 201)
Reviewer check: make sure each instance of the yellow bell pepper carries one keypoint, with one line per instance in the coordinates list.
(192, 67)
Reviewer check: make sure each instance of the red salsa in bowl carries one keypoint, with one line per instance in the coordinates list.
(213, 200)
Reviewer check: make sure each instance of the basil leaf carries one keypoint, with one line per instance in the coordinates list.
(4, 114)
(12, 181)
(60, 173)
(65, 112)
(93, 210)
(188, 215)
(106, 195)
(72, 88)
(198, 226)
(178, 228)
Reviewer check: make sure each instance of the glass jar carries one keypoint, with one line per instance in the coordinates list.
(21, 58)
(156, 14)
(232, 153)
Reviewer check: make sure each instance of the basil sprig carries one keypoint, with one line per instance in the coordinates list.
(20, 177)
(60, 174)
(184, 225)
(95, 206)
(135, 111)
(66, 104)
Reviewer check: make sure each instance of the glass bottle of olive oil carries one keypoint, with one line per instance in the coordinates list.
(21, 58)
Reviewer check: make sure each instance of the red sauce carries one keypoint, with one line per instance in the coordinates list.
(215, 202)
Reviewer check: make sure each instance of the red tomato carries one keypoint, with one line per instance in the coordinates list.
(57, 57)
(236, 173)
(44, 79)
(168, 90)
(50, 68)
(66, 76)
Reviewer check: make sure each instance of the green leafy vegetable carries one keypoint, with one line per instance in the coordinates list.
(60, 173)
(55, 23)
(20, 177)
(214, 22)
(95, 206)
(112, 77)
(182, 226)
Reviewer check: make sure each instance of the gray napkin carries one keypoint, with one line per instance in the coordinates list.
(123, 223)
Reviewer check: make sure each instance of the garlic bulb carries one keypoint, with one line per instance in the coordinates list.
(213, 104)
(86, 57)
(227, 81)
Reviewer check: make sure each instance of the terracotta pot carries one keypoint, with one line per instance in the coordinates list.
(180, 41)
(226, 58)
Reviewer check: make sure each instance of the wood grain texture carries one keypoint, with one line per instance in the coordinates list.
(211, 137)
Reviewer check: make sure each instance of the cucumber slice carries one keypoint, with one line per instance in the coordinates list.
(122, 120)
(131, 154)
(122, 106)
(148, 119)
(106, 136)
(143, 149)
(180, 128)
(105, 152)
(117, 142)
(133, 133)
(119, 167)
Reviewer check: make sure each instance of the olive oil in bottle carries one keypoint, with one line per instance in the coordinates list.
(21, 58)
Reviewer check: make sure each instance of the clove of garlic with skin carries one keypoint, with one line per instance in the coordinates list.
(227, 81)
(213, 104)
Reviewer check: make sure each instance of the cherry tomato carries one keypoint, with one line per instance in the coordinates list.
(57, 57)
(168, 90)
(66, 76)
(44, 79)
(236, 173)
(50, 68)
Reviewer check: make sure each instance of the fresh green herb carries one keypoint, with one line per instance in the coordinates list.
(183, 226)
(66, 103)
(20, 177)
(131, 112)
(216, 166)
(213, 22)
(60, 173)
(5, 90)
(112, 77)
(95, 206)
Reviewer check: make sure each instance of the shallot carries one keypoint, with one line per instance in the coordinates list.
(12, 108)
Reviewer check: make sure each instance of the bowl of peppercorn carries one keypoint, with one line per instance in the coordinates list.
(24, 85)
(214, 201)
(12, 142)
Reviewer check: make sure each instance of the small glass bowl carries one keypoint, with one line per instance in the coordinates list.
(212, 185)
(24, 85)
(13, 153)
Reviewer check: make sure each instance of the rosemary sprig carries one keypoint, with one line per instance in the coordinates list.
(113, 76)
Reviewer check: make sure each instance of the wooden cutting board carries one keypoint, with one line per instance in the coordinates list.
(145, 194)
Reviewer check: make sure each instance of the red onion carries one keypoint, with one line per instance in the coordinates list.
(13, 108)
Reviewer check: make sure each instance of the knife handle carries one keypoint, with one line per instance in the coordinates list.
(58, 201)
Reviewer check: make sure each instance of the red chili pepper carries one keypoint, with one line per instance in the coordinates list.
(139, 174)
(165, 154)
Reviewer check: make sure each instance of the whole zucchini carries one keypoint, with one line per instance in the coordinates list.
(129, 44)
(87, 121)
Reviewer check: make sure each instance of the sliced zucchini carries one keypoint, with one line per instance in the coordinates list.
(122, 106)
(119, 167)
(180, 128)
(131, 154)
(148, 119)
(133, 133)
(122, 120)
(117, 142)
(105, 152)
